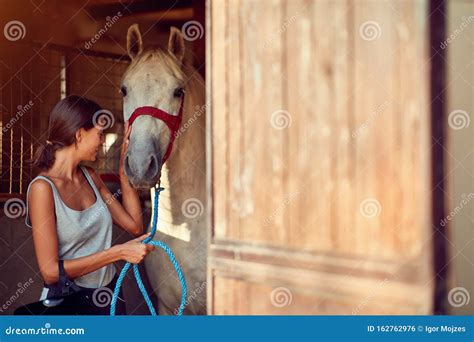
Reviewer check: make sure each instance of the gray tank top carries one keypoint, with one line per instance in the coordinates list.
(81, 233)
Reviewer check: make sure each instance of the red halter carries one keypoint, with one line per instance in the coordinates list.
(173, 122)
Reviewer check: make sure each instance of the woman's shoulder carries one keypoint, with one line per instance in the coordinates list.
(43, 177)
(40, 196)
(40, 184)
(40, 189)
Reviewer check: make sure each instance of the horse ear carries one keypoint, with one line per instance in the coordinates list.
(134, 41)
(176, 43)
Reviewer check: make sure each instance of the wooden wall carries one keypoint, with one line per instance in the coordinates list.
(319, 171)
(29, 89)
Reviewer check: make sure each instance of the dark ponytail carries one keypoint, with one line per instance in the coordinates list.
(67, 117)
(45, 155)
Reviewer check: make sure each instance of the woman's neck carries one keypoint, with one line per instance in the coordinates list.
(64, 166)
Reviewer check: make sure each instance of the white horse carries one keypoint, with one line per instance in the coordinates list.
(157, 78)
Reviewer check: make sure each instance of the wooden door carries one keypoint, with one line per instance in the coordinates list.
(319, 165)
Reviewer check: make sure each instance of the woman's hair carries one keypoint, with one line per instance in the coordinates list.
(67, 117)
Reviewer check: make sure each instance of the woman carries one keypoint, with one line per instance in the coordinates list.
(71, 211)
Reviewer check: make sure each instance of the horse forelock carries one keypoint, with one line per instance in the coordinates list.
(163, 57)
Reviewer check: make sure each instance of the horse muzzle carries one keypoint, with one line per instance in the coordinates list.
(145, 173)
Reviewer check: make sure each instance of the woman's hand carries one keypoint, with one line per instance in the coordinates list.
(129, 213)
(134, 250)
(126, 136)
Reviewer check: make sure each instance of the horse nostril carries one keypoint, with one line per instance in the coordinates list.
(152, 166)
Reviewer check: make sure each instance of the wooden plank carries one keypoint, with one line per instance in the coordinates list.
(298, 67)
(218, 115)
(265, 145)
(403, 270)
(372, 68)
(278, 300)
(353, 293)
(308, 161)
(255, 77)
(413, 129)
(234, 111)
(209, 210)
(342, 197)
(302, 302)
(424, 251)
(406, 85)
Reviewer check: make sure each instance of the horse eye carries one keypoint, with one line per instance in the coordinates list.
(178, 92)
(123, 91)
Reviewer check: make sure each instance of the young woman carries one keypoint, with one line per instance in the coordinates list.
(71, 211)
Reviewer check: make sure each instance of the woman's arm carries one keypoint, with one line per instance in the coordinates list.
(131, 203)
(130, 198)
(132, 251)
(129, 216)
(43, 222)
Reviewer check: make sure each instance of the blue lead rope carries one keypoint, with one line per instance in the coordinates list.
(168, 251)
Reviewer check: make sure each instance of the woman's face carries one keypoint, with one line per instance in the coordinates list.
(91, 142)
